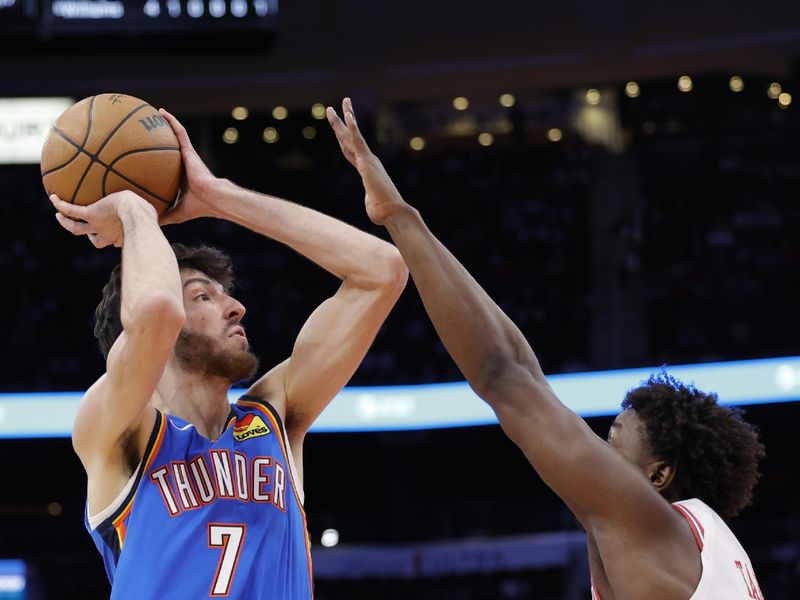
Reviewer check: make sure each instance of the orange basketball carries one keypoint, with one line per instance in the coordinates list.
(109, 143)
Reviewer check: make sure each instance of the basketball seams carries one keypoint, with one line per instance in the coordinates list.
(135, 150)
(83, 148)
(70, 167)
(97, 160)
(132, 182)
(89, 124)
(103, 145)
(79, 147)
(110, 169)
(117, 128)
(73, 143)
(92, 162)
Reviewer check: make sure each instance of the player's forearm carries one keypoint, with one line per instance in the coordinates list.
(349, 253)
(150, 276)
(478, 335)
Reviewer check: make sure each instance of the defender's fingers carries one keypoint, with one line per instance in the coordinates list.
(357, 140)
(342, 134)
(336, 123)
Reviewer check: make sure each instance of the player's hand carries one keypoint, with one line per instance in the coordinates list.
(196, 198)
(382, 198)
(100, 221)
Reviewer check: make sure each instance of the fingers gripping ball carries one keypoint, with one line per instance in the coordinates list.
(109, 143)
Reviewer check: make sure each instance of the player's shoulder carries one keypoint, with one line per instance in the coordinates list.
(271, 388)
(696, 507)
(90, 431)
(702, 518)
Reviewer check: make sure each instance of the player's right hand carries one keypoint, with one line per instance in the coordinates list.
(100, 221)
(197, 190)
(382, 198)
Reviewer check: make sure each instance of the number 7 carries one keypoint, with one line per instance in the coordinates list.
(229, 537)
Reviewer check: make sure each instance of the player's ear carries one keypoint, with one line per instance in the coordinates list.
(661, 474)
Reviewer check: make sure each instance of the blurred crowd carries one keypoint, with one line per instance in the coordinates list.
(705, 252)
(708, 236)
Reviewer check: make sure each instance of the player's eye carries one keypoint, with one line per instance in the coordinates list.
(202, 297)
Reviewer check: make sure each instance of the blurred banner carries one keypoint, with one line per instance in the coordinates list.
(24, 123)
(455, 404)
(498, 554)
(13, 580)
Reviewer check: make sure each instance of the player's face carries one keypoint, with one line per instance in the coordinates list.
(210, 310)
(627, 437)
(213, 340)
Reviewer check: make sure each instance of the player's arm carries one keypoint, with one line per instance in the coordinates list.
(500, 365)
(152, 315)
(337, 335)
(335, 338)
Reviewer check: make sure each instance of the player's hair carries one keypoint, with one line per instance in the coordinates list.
(714, 451)
(108, 324)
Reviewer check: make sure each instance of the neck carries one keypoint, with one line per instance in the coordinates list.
(194, 397)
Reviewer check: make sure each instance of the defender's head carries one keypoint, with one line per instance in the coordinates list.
(688, 445)
(212, 341)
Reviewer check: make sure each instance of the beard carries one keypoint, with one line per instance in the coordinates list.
(200, 353)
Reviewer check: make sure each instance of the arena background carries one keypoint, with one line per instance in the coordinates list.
(619, 226)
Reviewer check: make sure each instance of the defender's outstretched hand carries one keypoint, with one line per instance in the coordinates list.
(382, 198)
(196, 199)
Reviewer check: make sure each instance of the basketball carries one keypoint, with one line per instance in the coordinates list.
(109, 143)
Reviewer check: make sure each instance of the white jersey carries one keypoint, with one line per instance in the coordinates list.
(727, 572)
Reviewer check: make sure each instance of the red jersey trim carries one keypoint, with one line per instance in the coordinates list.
(694, 524)
(595, 592)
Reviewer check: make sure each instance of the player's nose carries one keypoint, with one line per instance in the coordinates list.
(234, 309)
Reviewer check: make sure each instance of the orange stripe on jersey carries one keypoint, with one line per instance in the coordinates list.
(120, 526)
(268, 413)
(147, 460)
(691, 519)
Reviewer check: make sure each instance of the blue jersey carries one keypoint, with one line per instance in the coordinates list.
(203, 519)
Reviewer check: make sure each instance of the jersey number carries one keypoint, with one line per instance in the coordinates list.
(229, 537)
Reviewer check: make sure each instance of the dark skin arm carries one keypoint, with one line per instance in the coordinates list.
(613, 499)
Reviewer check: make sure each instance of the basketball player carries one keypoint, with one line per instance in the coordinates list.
(190, 496)
(652, 499)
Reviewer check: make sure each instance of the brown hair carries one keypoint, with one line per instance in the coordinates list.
(206, 259)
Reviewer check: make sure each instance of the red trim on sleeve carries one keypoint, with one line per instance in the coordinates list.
(694, 524)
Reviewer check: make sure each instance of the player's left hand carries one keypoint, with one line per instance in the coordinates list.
(100, 221)
(196, 198)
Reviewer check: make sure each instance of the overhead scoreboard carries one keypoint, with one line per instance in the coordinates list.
(80, 23)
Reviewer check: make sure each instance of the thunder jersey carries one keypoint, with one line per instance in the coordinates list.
(208, 519)
(727, 572)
